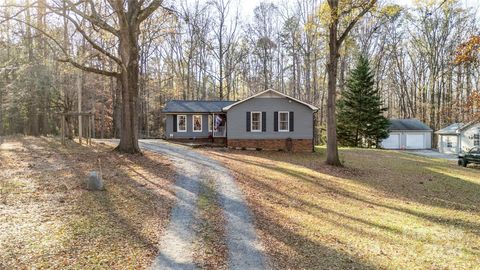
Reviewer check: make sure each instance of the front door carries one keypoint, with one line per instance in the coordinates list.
(219, 125)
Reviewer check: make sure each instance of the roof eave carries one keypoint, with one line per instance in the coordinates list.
(313, 108)
(390, 130)
(468, 125)
(192, 112)
(446, 133)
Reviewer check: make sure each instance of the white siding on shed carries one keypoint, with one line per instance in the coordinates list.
(448, 144)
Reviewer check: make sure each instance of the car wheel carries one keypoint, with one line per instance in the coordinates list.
(464, 163)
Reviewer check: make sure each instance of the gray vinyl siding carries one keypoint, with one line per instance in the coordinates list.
(189, 133)
(237, 119)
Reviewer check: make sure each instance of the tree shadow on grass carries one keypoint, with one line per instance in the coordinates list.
(301, 252)
(344, 192)
(424, 181)
(117, 227)
(278, 210)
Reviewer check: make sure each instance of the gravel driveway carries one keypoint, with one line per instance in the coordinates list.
(433, 154)
(176, 247)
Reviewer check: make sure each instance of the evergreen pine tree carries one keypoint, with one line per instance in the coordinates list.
(360, 109)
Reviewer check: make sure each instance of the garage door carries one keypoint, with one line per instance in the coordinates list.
(415, 141)
(392, 142)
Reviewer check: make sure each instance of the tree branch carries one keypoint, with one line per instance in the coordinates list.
(146, 12)
(90, 40)
(68, 59)
(94, 18)
(89, 69)
(354, 21)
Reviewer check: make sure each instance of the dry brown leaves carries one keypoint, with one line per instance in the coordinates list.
(49, 220)
(383, 210)
(210, 248)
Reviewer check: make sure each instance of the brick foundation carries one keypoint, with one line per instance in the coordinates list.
(296, 145)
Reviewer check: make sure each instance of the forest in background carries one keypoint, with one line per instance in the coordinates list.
(206, 50)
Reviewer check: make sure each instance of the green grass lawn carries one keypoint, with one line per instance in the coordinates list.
(385, 209)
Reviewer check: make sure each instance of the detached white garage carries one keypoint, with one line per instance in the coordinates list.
(408, 134)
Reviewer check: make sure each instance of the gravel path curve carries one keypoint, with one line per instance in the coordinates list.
(176, 248)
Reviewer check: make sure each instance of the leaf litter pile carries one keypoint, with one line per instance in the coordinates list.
(49, 220)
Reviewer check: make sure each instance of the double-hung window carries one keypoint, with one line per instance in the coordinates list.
(283, 121)
(197, 123)
(181, 123)
(449, 142)
(256, 122)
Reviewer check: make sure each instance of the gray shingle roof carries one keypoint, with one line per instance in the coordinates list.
(452, 129)
(408, 124)
(194, 106)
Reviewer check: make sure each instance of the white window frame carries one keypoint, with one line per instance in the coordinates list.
(449, 142)
(476, 141)
(288, 122)
(193, 123)
(178, 122)
(259, 122)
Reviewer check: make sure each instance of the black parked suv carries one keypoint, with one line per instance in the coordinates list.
(472, 156)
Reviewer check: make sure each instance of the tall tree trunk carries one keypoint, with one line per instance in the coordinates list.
(102, 114)
(117, 106)
(332, 66)
(129, 50)
(1, 112)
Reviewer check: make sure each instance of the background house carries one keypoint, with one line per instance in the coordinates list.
(458, 137)
(408, 134)
(268, 120)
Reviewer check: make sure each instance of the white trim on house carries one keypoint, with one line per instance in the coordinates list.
(210, 122)
(178, 122)
(273, 91)
(259, 122)
(288, 121)
(193, 123)
(458, 137)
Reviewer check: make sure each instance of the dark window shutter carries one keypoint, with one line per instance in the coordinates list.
(291, 121)
(275, 121)
(248, 121)
(174, 123)
(264, 121)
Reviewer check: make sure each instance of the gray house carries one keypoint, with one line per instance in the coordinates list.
(458, 137)
(408, 134)
(269, 120)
